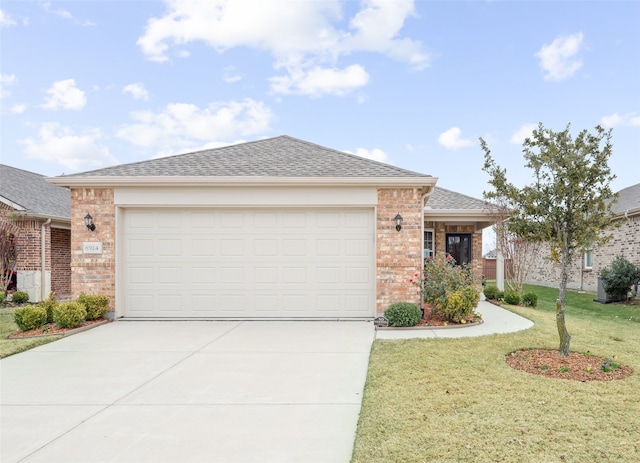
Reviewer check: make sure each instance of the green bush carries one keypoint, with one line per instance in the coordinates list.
(96, 305)
(500, 296)
(3, 297)
(490, 292)
(530, 299)
(30, 317)
(20, 297)
(403, 314)
(49, 304)
(69, 314)
(512, 298)
(460, 303)
(617, 279)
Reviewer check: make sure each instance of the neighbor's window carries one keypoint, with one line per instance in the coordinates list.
(428, 244)
(588, 259)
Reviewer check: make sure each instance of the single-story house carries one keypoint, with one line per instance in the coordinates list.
(41, 214)
(583, 274)
(276, 228)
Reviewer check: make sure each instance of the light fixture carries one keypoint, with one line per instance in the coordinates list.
(88, 221)
(398, 219)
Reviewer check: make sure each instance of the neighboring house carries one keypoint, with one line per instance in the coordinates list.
(41, 212)
(272, 229)
(625, 242)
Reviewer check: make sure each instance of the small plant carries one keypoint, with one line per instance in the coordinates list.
(69, 314)
(50, 304)
(618, 278)
(3, 297)
(544, 367)
(564, 369)
(530, 299)
(96, 305)
(512, 298)
(490, 292)
(610, 364)
(30, 317)
(589, 369)
(460, 303)
(20, 297)
(500, 296)
(403, 314)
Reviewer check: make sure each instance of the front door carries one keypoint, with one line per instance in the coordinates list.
(459, 247)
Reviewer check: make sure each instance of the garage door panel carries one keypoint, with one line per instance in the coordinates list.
(249, 263)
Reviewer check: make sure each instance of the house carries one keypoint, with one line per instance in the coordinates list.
(625, 241)
(41, 213)
(271, 229)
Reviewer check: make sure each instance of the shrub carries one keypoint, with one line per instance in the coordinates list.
(69, 314)
(30, 317)
(96, 305)
(403, 314)
(530, 299)
(500, 296)
(491, 291)
(617, 279)
(460, 303)
(512, 297)
(49, 304)
(20, 297)
(3, 297)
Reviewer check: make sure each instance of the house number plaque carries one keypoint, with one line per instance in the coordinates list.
(92, 247)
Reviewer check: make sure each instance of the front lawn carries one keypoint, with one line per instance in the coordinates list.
(456, 400)
(13, 346)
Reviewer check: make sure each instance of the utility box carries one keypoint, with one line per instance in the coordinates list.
(603, 297)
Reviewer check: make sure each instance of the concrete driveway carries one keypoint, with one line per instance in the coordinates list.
(187, 392)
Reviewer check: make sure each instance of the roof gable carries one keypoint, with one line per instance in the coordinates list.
(31, 193)
(281, 156)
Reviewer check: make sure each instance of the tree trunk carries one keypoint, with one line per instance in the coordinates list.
(565, 337)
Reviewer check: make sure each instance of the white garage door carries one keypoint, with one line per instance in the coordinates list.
(248, 263)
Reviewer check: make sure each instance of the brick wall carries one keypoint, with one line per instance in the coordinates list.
(93, 273)
(61, 262)
(398, 254)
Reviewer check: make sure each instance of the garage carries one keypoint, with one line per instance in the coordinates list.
(238, 263)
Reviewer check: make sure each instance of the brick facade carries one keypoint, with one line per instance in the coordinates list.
(398, 254)
(93, 273)
(625, 242)
(61, 262)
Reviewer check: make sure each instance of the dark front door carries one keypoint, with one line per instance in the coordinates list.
(459, 247)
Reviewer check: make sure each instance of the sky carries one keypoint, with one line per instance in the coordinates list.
(90, 84)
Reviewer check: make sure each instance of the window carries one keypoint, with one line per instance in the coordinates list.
(428, 243)
(588, 259)
(459, 247)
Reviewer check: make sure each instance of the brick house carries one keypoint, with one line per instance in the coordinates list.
(277, 228)
(583, 274)
(41, 213)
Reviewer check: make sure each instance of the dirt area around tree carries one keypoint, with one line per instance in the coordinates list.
(575, 366)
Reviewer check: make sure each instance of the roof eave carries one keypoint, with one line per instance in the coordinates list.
(383, 182)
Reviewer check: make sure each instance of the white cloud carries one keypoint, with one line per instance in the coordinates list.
(617, 120)
(523, 132)
(303, 37)
(231, 75)
(46, 6)
(182, 126)
(452, 139)
(18, 108)
(319, 81)
(6, 80)
(6, 20)
(137, 91)
(65, 95)
(375, 154)
(56, 143)
(559, 59)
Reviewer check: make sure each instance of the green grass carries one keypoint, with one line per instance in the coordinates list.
(456, 400)
(13, 346)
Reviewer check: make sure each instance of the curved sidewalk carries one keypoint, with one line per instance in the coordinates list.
(496, 320)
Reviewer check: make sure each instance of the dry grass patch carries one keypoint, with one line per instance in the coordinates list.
(457, 400)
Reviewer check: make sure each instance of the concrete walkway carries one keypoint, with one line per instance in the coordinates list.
(187, 392)
(496, 320)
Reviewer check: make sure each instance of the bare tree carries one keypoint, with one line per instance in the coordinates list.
(8, 249)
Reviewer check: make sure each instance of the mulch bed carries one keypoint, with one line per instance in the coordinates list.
(51, 329)
(575, 366)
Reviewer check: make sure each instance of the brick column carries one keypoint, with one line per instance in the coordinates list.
(398, 254)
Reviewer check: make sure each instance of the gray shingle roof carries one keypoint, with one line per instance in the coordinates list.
(281, 156)
(32, 192)
(628, 200)
(442, 198)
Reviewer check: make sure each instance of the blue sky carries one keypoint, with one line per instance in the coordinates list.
(87, 84)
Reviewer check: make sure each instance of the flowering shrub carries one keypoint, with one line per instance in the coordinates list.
(448, 288)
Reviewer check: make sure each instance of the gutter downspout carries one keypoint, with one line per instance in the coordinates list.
(43, 262)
